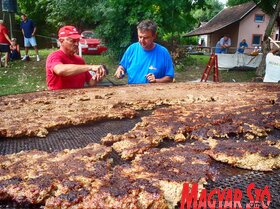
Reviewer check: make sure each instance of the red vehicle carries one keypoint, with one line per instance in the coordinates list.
(90, 44)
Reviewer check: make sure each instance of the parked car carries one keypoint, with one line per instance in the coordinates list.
(90, 44)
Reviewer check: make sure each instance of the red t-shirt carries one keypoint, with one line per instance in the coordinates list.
(3, 30)
(64, 82)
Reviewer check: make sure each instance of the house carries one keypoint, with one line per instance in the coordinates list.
(245, 21)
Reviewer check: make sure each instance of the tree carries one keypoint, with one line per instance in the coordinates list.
(272, 8)
(52, 14)
(231, 3)
(208, 11)
(80, 13)
(120, 18)
(115, 20)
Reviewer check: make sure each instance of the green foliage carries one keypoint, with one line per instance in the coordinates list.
(268, 6)
(50, 15)
(208, 11)
(115, 20)
(80, 13)
(120, 18)
(190, 40)
(180, 39)
(231, 3)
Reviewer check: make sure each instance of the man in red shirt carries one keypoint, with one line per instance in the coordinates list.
(4, 42)
(65, 69)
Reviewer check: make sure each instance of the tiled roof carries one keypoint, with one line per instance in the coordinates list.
(224, 18)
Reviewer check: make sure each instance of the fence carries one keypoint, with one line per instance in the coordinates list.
(196, 49)
(42, 41)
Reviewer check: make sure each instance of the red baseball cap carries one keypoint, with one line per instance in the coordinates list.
(69, 31)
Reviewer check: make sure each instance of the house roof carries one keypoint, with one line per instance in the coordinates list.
(224, 18)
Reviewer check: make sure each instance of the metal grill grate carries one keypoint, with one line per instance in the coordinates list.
(82, 135)
(67, 138)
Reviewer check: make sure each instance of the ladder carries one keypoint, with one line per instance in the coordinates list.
(213, 62)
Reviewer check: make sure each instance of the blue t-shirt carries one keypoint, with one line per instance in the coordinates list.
(28, 28)
(138, 62)
(242, 46)
(220, 43)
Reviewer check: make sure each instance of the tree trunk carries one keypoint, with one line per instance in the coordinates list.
(265, 45)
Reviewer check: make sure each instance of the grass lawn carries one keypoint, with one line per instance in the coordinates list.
(21, 77)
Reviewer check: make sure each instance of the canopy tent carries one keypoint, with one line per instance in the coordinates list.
(226, 61)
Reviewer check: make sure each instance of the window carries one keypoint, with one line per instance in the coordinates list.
(257, 39)
(259, 18)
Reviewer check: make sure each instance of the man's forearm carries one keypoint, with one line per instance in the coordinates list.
(164, 79)
(7, 37)
(70, 69)
(34, 31)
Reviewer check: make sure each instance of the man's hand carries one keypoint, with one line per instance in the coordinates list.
(151, 78)
(119, 72)
(98, 75)
(99, 72)
(96, 78)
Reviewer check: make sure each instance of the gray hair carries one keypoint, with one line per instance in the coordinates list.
(1, 21)
(147, 25)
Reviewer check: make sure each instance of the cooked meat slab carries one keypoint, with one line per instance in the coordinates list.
(236, 120)
(35, 114)
(197, 121)
(261, 156)
(77, 178)
(115, 190)
(33, 176)
(171, 167)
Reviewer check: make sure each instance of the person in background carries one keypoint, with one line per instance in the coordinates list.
(222, 45)
(4, 43)
(272, 69)
(242, 45)
(146, 61)
(14, 50)
(28, 29)
(53, 41)
(65, 69)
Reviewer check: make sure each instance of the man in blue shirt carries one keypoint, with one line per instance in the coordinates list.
(28, 29)
(222, 45)
(146, 61)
